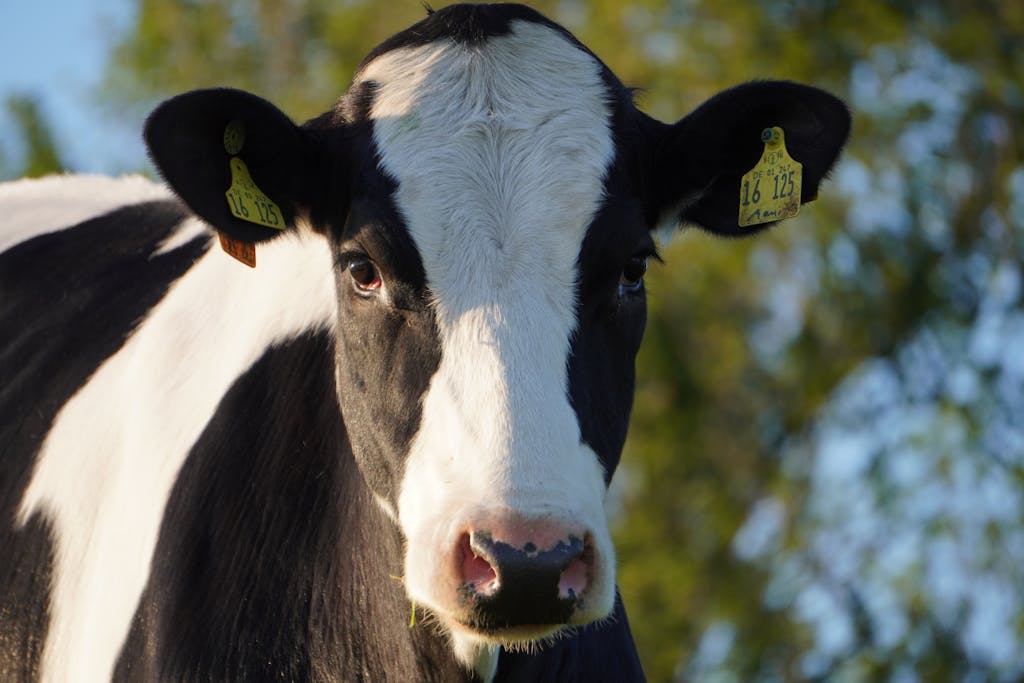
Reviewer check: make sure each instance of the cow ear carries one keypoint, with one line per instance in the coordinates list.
(701, 160)
(235, 159)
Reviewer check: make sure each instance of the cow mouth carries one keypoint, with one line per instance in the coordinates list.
(544, 622)
(518, 636)
(504, 616)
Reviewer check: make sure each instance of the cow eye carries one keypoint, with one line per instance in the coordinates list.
(364, 274)
(632, 278)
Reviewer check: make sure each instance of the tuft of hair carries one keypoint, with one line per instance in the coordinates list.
(427, 619)
(532, 647)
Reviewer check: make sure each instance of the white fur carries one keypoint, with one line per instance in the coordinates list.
(107, 466)
(37, 206)
(499, 151)
(182, 234)
(481, 658)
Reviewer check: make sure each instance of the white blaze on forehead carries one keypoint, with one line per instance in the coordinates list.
(499, 151)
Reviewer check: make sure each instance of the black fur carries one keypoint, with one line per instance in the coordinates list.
(466, 24)
(68, 300)
(602, 653)
(273, 561)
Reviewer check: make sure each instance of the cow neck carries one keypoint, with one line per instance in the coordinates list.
(376, 632)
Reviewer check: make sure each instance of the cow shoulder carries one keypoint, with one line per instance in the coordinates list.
(78, 272)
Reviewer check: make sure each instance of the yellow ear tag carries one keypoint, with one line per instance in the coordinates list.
(771, 190)
(248, 202)
(245, 199)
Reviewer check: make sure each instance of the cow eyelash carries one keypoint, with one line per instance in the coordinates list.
(631, 279)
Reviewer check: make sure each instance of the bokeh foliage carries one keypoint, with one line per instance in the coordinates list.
(38, 155)
(750, 547)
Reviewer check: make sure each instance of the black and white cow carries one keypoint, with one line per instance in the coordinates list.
(412, 404)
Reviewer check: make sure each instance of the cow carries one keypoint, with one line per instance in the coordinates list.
(380, 449)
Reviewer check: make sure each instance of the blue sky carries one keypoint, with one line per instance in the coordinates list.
(57, 50)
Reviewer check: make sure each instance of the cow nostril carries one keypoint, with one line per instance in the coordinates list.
(477, 573)
(525, 582)
(573, 580)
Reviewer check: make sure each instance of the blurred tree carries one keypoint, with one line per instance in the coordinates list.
(300, 55)
(38, 151)
(875, 557)
(824, 470)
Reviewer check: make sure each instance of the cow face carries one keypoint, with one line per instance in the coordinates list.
(487, 189)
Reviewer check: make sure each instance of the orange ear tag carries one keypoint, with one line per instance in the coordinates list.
(238, 250)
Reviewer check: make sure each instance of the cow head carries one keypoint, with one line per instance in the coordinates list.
(488, 190)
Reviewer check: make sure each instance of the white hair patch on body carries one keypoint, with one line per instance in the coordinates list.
(499, 150)
(183, 233)
(105, 471)
(36, 206)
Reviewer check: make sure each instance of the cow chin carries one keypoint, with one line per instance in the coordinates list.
(477, 637)
(468, 642)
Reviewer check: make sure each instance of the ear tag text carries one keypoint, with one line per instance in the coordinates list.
(771, 190)
(238, 250)
(248, 202)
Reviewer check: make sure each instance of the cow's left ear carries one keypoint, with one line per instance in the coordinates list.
(700, 161)
(235, 159)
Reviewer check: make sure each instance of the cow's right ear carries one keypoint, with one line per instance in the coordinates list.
(235, 159)
(699, 162)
